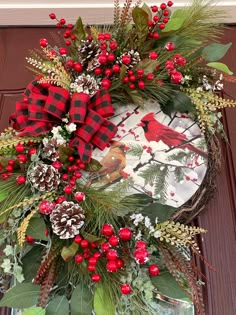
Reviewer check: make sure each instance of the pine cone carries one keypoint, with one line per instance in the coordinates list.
(67, 218)
(85, 83)
(50, 149)
(88, 51)
(135, 58)
(44, 178)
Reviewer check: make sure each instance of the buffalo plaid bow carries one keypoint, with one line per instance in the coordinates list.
(45, 108)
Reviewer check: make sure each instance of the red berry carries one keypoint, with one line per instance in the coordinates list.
(60, 199)
(126, 79)
(154, 270)
(77, 239)
(155, 35)
(103, 46)
(21, 180)
(81, 166)
(150, 76)
(111, 57)
(125, 234)
(111, 254)
(106, 83)
(153, 55)
(22, 158)
(43, 42)
(9, 168)
(107, 230)
(78, 67)
(166, 13)
(102, 59)
(78, 174)
(73, 37)
(119, 263)
(113, 240)
(92, 261)
(169, 3)
(156, 18)
(57, 165)
(70, 26)
(116, 68)
(165, 20)
(101, 37)
(46, 207)
(32, 151)
(141, 255)
(68, 189)
(150, 23)
(79, 196)
(98, 71)
(140, 244)
(105, 247)
(4, 176)
(20, 148)
(125, 288)
(78, 258)
(97, 255)
(187, 178)
(84, 243)
(108, 72)
(141, 85)
(29, 239)
(10, 162)
(111, 266)
(64, 177)
(132, 78)
(107, 36)
(113, 45)
(91, 268)
(176, 77)
(140, 73)
(169, 46)
(163, 6)
(52, 16)
(67, 34)
(46, 232)
(68, 42)
(62, 51)
(126, 59)
(154, 8)
(162, 26)
(62, 21)
(169, 65)
(96, 277)
(132, 86)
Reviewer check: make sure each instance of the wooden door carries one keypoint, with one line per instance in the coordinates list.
(219, 217)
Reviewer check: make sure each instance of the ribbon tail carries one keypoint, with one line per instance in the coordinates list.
(84, 149)
(104, 135)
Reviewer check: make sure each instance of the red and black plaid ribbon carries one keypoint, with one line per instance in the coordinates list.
(46, 107)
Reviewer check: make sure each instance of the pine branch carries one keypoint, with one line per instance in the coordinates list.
(116, 13)
(160, 184)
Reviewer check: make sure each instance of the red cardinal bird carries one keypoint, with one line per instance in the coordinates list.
(155, 131)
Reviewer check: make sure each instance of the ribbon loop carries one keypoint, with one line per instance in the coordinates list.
(57, 102)
(79, 106)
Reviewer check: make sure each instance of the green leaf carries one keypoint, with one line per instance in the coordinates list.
(31, 261)
(79, 30)
(58, 306)
(34, 311)
(36, 229)
(215, 51)
(220, 66)
(93, 166)
(166, 284)
(103, 305)
(179, 102)
(176, 22)
(160, 211)
(81, 301)
(146, 8)
(140, 18)
(68, 253)
(3, 195)
(92, 238)
(22, 295)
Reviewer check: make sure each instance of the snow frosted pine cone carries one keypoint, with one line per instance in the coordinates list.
(67, 218)
(50, 149)
(44, 177)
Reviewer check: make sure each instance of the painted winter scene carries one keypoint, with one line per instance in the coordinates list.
(154, 154)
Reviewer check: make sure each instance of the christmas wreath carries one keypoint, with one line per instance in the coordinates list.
(109, 144)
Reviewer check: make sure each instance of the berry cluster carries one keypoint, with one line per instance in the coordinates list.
(113, 253)
(172, 66)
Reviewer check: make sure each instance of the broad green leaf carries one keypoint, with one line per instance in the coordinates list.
(91, 237)
(22, 295)
(68, 253)
(58, 306)
(103, 305)
(93, 166)
(146, 8)
(3, 195)
(179, 102)
(31, 261)
(36, 229)
(177, 20)
(160, 211)
(140, 18)
(220, 66)
(81, 301)
(34, 311)
(79, 30)
(215, 51)
(166, 284)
